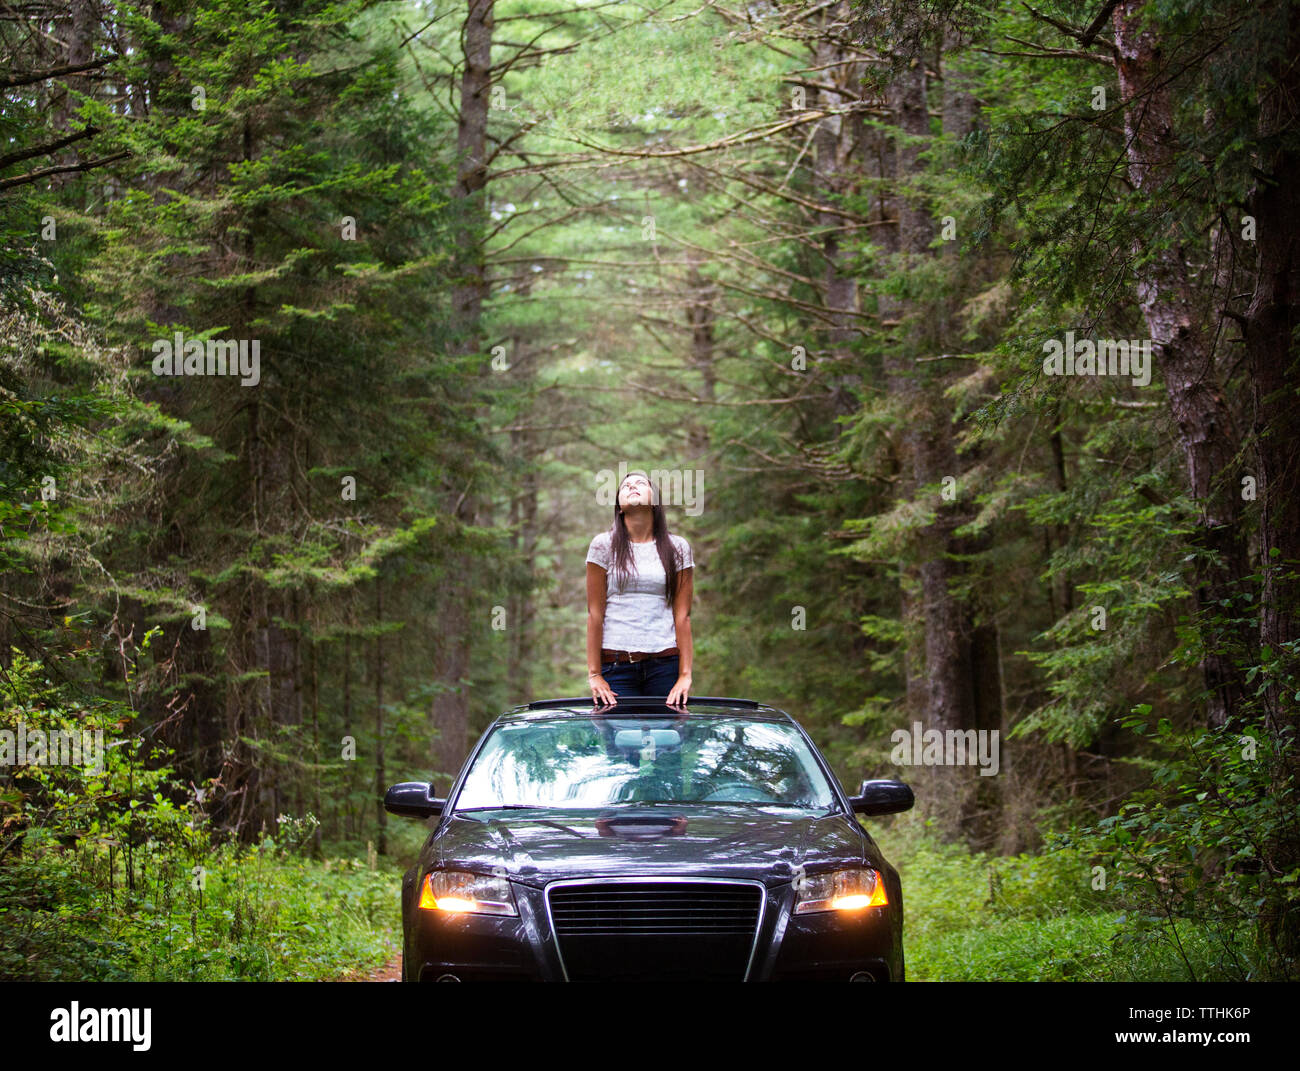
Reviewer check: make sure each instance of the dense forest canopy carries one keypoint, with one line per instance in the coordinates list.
(959, 337)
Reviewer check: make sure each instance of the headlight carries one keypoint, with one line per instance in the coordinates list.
(840, 890)
(472, 894)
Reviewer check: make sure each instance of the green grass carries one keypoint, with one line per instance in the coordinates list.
(262, 915)
(972, 917)
(1070, 948)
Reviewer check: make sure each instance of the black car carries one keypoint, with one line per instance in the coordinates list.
(643, 842)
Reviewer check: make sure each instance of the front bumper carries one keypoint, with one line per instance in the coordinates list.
(863, 945)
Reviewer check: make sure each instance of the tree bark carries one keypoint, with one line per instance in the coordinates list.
(836, 166)
(450, 711)
(700, 320)
(381, 772)
(1176, 319)
(930, 445)
(1270, 333)
(1269, 330)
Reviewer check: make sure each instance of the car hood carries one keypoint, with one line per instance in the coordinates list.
(750, 841)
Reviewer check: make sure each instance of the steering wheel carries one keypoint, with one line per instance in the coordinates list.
(737, 792)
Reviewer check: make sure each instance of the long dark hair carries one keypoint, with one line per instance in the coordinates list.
(621, 546)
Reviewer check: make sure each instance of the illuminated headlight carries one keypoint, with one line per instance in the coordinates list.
(462, 893)
(840, 890)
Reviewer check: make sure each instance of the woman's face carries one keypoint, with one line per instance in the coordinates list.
(635, 491)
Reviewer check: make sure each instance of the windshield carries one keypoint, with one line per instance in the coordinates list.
(594, 762)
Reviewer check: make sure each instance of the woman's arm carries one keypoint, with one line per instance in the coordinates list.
(682, 626)
(596, 632)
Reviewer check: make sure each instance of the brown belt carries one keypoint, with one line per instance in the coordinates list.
(606, 655)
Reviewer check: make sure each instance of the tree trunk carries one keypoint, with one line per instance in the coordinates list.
(381, 772)
(1269, 329)
(836, 166)
(450, 711)
(1168, 295)
(700, 320)
(930, 443)
(347, 726)
(82, 23)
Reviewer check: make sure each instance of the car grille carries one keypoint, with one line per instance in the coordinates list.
(655, 931)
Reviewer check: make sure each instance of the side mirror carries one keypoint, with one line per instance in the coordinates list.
(882, 797)
(413, 799)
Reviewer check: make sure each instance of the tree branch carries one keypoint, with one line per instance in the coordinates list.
(40, 173)
(27, 78)
(46, 148)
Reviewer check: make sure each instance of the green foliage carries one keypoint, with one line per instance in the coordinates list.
(113, 873)
(1198, 852)
(262, 915)
(1130, 585)
(1037, 917)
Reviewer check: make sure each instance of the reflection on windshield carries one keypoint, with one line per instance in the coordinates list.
(594, 762)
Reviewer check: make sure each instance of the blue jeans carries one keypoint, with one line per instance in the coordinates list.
(649, 676)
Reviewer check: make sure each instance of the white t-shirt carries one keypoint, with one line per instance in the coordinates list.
(637, 616)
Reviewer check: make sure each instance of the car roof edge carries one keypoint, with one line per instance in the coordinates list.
(633, 700)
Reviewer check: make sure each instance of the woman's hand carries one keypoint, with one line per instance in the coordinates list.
(681, 690)
(601, 692)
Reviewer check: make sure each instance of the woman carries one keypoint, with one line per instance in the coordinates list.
(639, 584)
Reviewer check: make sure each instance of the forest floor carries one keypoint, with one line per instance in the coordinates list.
(389, 972)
